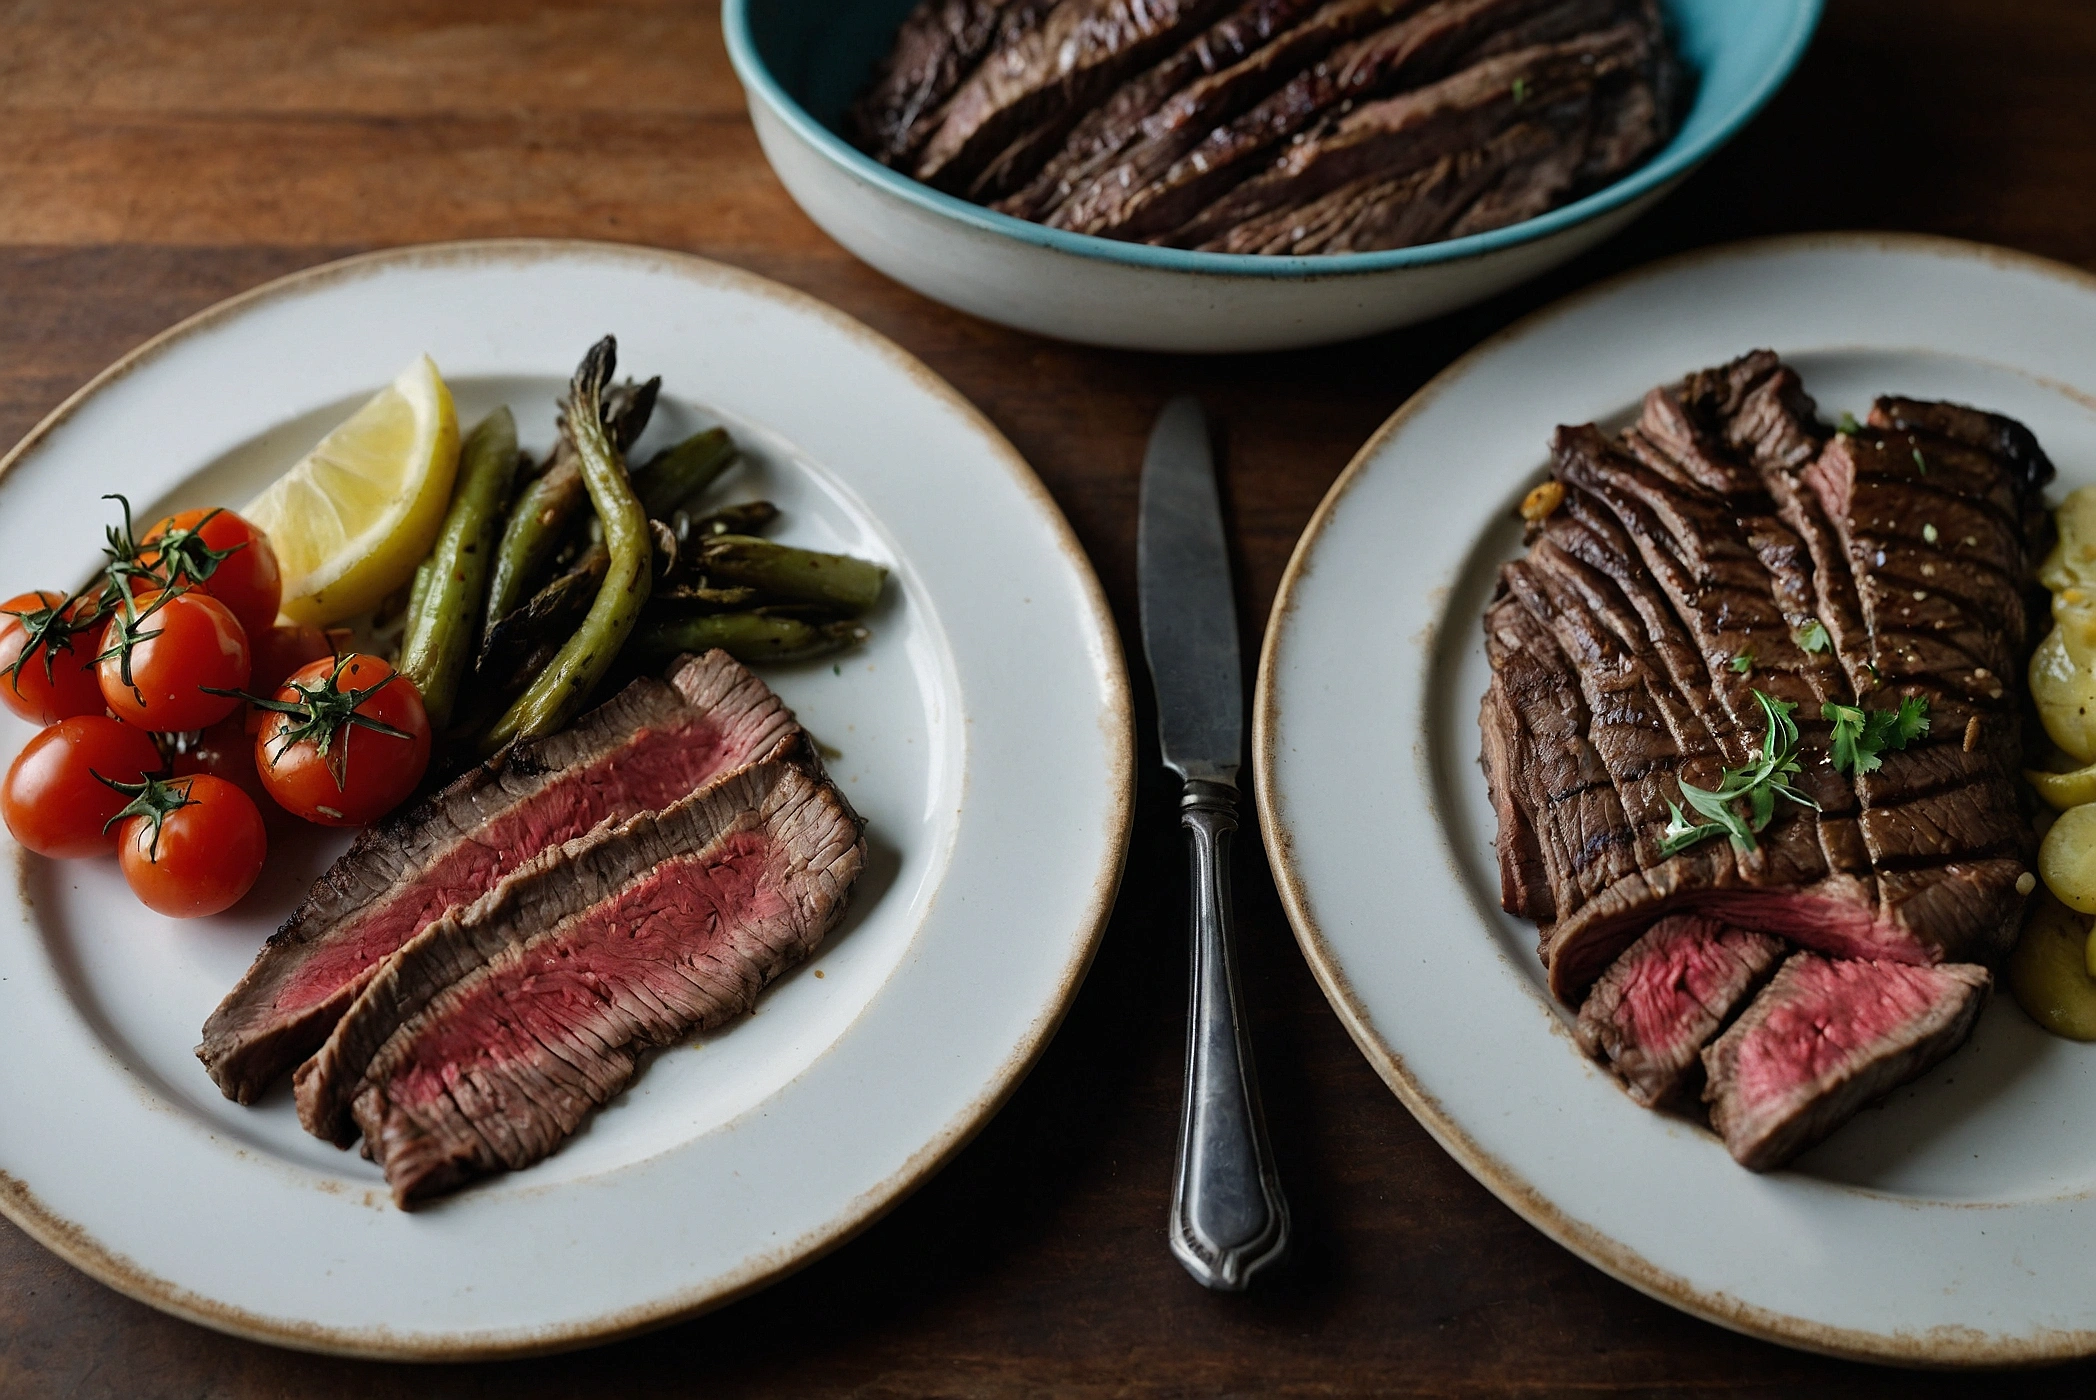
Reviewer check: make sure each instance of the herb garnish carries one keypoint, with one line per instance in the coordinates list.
(1520, 91)
(1757, 785)
(1860, 735)
(1813, 636)
(1744, 661)
(1848, 427)
(1921, 462)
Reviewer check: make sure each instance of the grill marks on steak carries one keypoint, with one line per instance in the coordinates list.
(1650, 1015)
(1079, 51)
(1110, 128)
(1564, 837)
(1824, 1039)
(1403, 133)
(940, 43)
(1709, 531)
(651, 745)
(491, 1036)
(1221, 131)
(1720, 524)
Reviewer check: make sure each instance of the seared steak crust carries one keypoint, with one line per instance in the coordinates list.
(1080, 51)
(939, 45)
(1400, 134)
(1725, 544)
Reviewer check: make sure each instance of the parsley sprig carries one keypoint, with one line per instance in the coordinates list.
(1754, 787)
(1861, 735)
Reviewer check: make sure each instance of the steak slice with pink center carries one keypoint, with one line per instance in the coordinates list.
(652, 744)
(487, 1040)
(1651, 1013)
(1826, 1037)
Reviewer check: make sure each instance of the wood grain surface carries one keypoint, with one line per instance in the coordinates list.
(155, 157)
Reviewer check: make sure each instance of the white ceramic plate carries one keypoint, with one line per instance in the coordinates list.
(1953, 1226)
(983, 732)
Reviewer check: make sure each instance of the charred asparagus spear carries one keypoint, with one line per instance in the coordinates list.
(539, 521)
(749, 637)
(789, 574)
(452, 583)
(560, 690)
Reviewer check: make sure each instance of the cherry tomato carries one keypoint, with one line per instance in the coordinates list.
(52, 800)
(365, 773)
(247, 579)
(227, 750)
(183, 642)
(58, 678)
(192, 846)
(278, 651)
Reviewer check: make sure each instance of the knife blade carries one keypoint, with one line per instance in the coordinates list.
(1189, 617)
(1229, 1218)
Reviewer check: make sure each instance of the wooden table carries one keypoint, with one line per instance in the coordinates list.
(156, 157)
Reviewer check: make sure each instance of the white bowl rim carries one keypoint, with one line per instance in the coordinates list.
(1672, 163)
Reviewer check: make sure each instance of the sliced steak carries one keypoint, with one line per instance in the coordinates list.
(1720, 521)
(489, 1038)
(1390, 212)
(1563, 835)
(649, 746)
(1213, 136)
(1395, 134)
(1102, 133)
(940, 43)
(1652, 1012)
(1824, 1039)
(1078, 52)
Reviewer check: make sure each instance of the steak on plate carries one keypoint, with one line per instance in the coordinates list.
(489, 1038)
(1826, 1037)
(1651, 1013)
(652, 744)
(1726, 547)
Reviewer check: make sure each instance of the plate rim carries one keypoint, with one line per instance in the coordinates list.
(1522, 1196)
(78, 1248)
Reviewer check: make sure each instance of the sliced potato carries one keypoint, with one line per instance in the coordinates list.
(2049, 973)
(2065, 692)
(2073, 559)
(2064, 790)
(2067, 858)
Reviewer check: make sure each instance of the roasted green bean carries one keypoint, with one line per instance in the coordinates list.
(451, 585)
(786, 573)
(554, 613)
(538, 522)
(560, 690)
(671, 478)
(745, 519)
(749, 637)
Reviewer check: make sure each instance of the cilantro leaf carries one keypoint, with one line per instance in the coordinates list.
(1910, 721)
(1861, 736)
(1758, 784)
(1744, 661)
(1813, 636)
(1848, 427)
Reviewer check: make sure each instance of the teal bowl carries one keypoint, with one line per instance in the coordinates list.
(802, 61)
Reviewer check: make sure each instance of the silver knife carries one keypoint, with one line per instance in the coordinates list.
(1229, 1218)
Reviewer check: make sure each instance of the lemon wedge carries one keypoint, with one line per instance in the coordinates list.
(352, 520)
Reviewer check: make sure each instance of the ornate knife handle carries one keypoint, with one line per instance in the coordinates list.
(1229, 1218)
